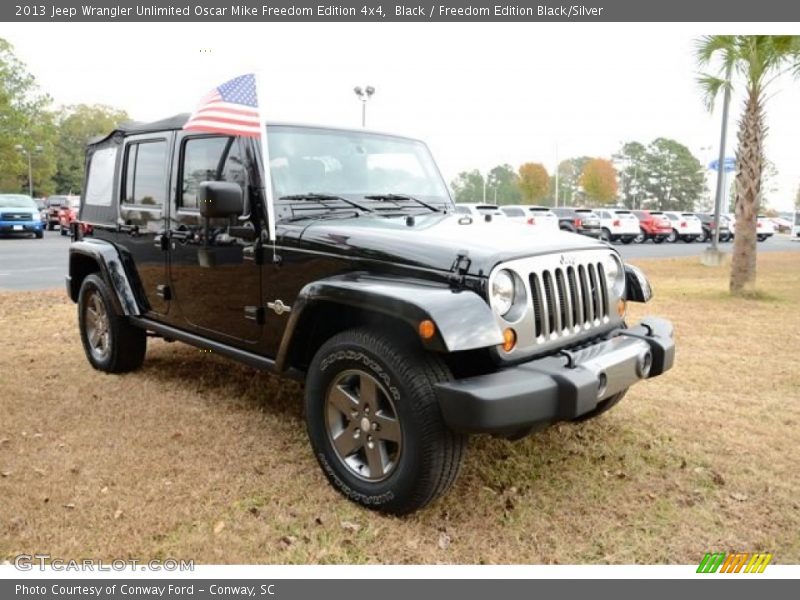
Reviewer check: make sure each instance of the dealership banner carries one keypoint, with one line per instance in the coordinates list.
(393, 10)
(386, 589)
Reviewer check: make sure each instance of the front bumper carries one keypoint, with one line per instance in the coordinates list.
(20, 226)
(560, 387)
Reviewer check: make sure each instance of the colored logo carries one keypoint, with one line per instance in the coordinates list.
(743, 562)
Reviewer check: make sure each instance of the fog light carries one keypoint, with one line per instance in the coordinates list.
(427, 329)
(509, 339)
(622, 307)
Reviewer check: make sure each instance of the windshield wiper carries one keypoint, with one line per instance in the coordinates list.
(349, 213)
(401, 197)
(323, 198)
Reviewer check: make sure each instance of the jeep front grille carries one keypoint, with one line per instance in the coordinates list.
(569, 300)
(566, 299)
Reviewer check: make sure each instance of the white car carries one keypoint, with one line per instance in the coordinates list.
(685, 226)
(765, 228)
(537, 216)
(618, 225)
(480, 212)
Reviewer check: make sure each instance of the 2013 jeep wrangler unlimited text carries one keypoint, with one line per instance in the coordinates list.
(412, 326)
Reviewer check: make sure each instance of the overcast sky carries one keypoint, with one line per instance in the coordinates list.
(479, 94)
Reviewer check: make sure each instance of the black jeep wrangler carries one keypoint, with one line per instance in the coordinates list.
(411, 325)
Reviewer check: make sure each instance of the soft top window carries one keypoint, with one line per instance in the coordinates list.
(99, 183)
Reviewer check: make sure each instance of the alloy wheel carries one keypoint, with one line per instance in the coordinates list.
(363, 425)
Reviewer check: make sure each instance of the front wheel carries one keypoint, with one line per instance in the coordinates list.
(761, 238)
(375, 425)
(641, 238)
(672, 237)
(628, 239)
(110, 342)
(605, 235)
(659, 239)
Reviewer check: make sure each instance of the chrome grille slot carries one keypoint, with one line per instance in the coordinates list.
(552, 308)
(565, 311)
(536, 295)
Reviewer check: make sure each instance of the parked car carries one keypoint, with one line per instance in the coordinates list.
(654, 227)
(709, 226)
(41, 204)
(478, 211)
(68, 213)
(685, 226)
(537, 216)
(765, 229)
(411, 326)
(617, 225)
(19, 214)
(54, 204)
(578, 220)
(781, 224)
(796, 226)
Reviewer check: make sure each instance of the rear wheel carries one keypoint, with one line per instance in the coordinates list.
(641, 238)
(375, 425)
(110, 342)
(761, 238)
(659, 239)
(628, 239)
(703, 236)
(672, 236)
(605, 235)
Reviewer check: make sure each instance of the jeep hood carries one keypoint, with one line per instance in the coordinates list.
(432, 241)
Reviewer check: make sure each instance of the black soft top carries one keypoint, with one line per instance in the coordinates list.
(134, 127)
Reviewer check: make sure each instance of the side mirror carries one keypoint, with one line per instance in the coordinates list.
(220, 199)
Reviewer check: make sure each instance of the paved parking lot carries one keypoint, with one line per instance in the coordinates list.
(31, 264)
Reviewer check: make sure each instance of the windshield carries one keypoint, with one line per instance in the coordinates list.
(17, 201)
(352, 163)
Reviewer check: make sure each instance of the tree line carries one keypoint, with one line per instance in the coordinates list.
(33, 133)
(663, 174)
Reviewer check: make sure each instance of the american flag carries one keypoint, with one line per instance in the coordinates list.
(230, 108)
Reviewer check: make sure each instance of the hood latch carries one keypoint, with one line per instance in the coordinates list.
(460, 268)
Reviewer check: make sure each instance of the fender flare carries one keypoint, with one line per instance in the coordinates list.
(112, 270)
(463, 319)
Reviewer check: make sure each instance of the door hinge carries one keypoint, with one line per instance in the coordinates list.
(164, 291)
(254, 313)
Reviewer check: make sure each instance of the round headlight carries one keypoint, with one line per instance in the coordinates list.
(615, 274)
(502, 292)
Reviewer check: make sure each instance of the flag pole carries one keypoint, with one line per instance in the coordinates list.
(267, 179)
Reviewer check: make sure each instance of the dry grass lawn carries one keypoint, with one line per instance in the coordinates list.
(195, 457)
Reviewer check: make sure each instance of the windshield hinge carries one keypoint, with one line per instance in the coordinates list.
(460, 268)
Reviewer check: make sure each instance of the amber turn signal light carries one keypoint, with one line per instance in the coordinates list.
(509, 339)
(427, 329)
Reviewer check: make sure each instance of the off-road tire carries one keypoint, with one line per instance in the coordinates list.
(126, 344)
(430, 455)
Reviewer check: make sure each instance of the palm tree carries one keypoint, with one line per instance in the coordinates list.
(757, 60)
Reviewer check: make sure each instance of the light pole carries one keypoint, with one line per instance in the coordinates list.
(26, 152)
(364, 95)
(712, 256)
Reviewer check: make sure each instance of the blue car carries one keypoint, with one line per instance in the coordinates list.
(19, 214)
